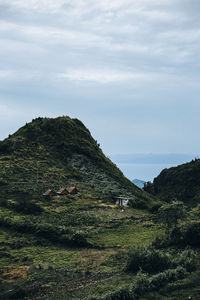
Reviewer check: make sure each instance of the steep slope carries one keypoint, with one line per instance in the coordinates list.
(54, 153)
(178, 183)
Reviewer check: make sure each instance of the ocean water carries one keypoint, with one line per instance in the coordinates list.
(146, 172)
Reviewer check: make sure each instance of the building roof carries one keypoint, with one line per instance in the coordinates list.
(72, 188)
(49, 192)
(62, 191)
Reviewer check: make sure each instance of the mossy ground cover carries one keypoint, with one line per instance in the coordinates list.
(184, 289)
(109, 230)
(66, 247)
(125, 234)
(40, 268)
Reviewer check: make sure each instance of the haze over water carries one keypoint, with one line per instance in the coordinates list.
(148, 166)
(146, 172)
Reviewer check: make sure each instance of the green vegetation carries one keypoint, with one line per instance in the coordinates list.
(151, 260)
(181, 183)
(148, 259)
(171, 213)
(164, 267)
(84, 246)
(45, 153)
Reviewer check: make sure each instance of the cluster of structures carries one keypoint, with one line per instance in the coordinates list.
(61, 192)
(120, 200)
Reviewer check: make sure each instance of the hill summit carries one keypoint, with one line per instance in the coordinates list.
(55, 153)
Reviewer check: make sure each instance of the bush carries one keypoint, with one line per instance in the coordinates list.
(45, 231)
(118, 295)
(155, 207)
(27, 207)
(142, 284)
(171, 213)
(160, 243)
(4, 202)
(160, 279)
(191, 234)
(186, 259)
(147, 259)
(138, 203)
(145, 283)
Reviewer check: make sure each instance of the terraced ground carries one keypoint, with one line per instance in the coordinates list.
(104, 231)
(33, 265)
(78, 247)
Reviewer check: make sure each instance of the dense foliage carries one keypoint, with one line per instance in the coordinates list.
(180, 183)
(149, 260)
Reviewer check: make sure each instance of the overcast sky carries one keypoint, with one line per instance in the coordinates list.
(128, 69)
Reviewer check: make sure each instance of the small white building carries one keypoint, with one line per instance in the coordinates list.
(122, 201)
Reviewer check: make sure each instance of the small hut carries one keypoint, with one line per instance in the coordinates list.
(73, 190)
(62, 192)
(121, 201)
(49, 193)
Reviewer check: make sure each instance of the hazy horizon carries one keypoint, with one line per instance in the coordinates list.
(147, 166)
(145, 172)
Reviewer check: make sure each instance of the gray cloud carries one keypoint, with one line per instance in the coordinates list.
(128, 65)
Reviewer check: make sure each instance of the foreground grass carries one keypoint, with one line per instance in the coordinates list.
(36, 267)
(109, 231)
(187, 288)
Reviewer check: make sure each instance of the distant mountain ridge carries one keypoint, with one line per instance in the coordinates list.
(139, 183)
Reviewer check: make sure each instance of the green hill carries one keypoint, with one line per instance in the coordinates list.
(53, 153)
(78, 246)
(178, 183)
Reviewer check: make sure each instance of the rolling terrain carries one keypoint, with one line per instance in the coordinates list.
(83, 246)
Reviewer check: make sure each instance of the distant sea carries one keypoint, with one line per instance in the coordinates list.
(146, 172)
(148, 166)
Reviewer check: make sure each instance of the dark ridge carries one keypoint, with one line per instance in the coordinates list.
(178, 183)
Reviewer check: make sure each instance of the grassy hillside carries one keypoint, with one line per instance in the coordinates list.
(83, 246)
(178, 183)
(52, 153)
(80, 248)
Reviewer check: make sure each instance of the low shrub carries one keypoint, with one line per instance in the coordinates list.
(142, 284)
(155, 207)
(191, 234)
(185, 235)
(145, 283)
(118, 295)
(186, 259)
(3, 202)
(27, 207)
(138, 203)
(148, 259)
(45, 231)
(160, 243)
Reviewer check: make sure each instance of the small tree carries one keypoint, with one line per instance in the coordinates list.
(170, 214)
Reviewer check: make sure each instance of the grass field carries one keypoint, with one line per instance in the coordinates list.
(109, 231)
